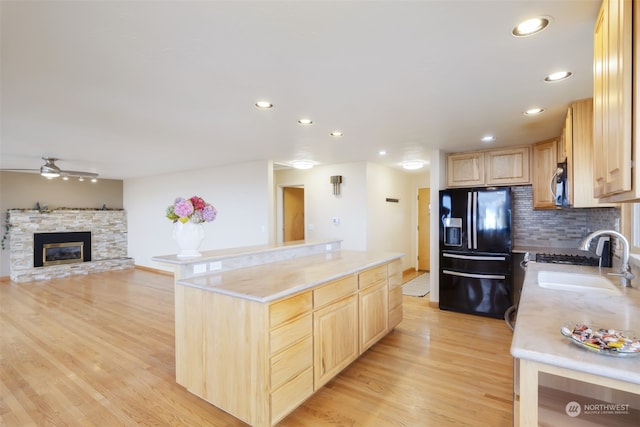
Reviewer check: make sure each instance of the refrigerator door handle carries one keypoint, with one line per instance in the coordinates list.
(475, 219)
(469, 223)
(474, 276)
(474, 257)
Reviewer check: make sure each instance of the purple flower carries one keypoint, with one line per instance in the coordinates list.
(209, 213)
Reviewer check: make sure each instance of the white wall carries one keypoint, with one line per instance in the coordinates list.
(321, 206)
(366, 220)
(239, 192)
(438, 182)
(391, 226)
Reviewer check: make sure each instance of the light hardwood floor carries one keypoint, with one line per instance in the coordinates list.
(98, 350)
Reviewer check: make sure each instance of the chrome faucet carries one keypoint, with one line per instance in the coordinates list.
(625, 270)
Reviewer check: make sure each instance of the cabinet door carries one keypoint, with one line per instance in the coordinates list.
(566, 137)
(508, 167)
(613, 98)
(335, 345)
(544, 166)
(581, 157)
(374, 314)
(465, 169)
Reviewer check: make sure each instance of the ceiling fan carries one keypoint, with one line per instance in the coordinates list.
(51, 170)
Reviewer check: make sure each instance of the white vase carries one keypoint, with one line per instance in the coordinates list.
(189, 237)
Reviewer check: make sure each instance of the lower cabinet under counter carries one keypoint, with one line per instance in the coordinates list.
(260, 361)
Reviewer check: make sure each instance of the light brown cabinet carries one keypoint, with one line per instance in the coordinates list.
(509, 166)
(335, 326)
(259, 361)
(578, 139)
(615, 80)
(395, 293)
(544, 167)
(373, 301)
(374, 314)
(291, 353)
(335, 339)
(465, 169)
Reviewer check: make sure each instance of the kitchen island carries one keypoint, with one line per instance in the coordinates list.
(259, 330)
(552, 373)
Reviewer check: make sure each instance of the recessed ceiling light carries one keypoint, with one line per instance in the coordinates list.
(412, 164)
(560, 75)
(305, 121)
(302, 164)
(382, 153)
(533, 111)
(531, 26)
(336, 133)
(488, 138)
(264, 104)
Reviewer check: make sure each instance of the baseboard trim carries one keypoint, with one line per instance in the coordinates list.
(154, 270)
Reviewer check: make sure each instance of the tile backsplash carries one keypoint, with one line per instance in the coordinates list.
(561, 228)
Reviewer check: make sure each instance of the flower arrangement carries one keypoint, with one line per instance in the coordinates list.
(194, 209)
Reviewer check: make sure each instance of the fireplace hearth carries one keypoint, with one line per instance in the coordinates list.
(61, 248)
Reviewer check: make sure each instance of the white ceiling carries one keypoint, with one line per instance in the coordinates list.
(129, 89)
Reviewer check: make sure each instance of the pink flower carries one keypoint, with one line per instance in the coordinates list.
(183, 208)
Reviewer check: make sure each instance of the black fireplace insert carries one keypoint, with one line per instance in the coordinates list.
(61, 248)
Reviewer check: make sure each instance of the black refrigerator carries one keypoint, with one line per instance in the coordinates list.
(475, 251)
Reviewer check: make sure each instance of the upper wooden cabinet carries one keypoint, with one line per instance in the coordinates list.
(545, 162)
(615, 146)
(509, 166)
(578, 141)
(465, 169)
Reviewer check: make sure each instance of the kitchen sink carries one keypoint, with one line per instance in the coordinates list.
(575, 282)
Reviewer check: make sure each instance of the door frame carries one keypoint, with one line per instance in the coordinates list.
(280, 211)
(428, 224)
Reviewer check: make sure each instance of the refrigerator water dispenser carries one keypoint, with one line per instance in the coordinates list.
(452, 231)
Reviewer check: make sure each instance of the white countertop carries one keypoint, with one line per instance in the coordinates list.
(542, 312)
(222, 254)
(272, 281)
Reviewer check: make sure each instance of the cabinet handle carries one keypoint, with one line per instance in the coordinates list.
(552, 184)
(475, 257)
(474, 276)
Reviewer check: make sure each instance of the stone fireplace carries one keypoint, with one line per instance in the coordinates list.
(59, 243)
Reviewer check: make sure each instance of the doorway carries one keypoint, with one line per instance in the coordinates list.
(424, 230)
(293, 213)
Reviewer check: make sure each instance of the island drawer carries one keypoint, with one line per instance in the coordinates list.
(334, 291)
(285, 366)
(289, 333)
(395, 297)
(395, 267)
(395, 316)
(291, 395)
(372, 276)
(289, 308)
